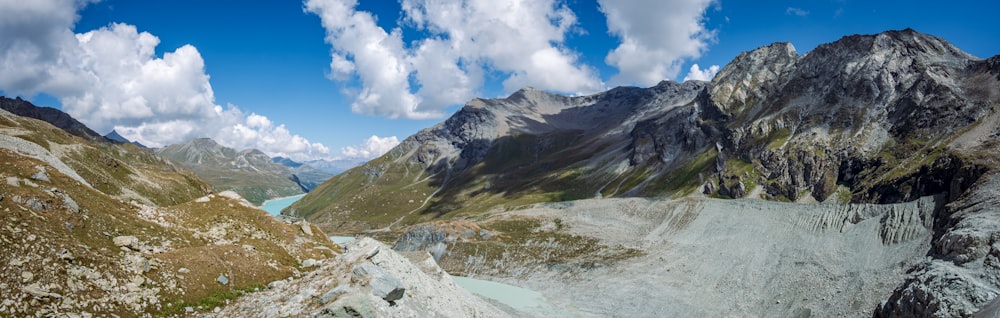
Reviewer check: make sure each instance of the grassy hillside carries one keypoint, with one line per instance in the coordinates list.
(250, 173)
(133, 237)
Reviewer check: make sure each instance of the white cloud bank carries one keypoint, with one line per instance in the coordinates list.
(111, 78)
(656, 37)
(372, 148)
(697, 74)
(796, 11)
(522, 40)
(466, 42)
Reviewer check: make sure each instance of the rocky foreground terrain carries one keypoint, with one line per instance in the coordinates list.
(370, 280)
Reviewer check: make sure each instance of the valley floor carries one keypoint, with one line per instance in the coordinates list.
(715, 258)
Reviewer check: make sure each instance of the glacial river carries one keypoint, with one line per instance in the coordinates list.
(522, 299)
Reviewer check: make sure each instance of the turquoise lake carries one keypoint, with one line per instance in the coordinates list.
(519, 298)
(274, 206)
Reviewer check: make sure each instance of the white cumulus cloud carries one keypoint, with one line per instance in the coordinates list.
(372, 148)
(418, 78)
(656, 37)
(111, 78)
(697, 74)
(796, 11)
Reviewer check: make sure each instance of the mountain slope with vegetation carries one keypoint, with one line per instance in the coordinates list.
(92, 227)
(251, 173)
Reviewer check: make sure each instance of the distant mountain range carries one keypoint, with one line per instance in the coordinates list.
(251, 173)
(114, 136)
(334, 167)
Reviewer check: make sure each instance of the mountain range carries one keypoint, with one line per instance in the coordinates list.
(889, 118)
(251, 173)
(857, 179)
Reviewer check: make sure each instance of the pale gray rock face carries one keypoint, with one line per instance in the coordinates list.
(41, 175)
(127, 241)
(753, 75)
(962, 274)
(31, 149)
(384, 285)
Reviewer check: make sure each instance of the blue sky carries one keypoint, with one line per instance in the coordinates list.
(259, 73)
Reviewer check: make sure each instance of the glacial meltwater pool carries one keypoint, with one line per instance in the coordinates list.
(274, 206)
(522, 299)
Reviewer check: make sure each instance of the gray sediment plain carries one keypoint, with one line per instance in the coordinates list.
(706, 257)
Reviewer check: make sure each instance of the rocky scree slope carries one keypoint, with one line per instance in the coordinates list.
(103, 229)
(123, 171)
(698, 257)
(250, 172)
(878, 119)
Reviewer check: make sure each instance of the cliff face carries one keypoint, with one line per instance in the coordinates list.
(865, 112)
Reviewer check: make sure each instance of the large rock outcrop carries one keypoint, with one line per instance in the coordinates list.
(370, 280)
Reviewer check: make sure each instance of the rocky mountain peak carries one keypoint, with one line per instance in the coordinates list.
(50, 115)
(752, 75)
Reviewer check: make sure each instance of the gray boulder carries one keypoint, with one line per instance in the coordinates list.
(384, 285)
(41, 175)
(127, 241)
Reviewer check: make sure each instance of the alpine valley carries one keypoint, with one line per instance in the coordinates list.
(857, 179)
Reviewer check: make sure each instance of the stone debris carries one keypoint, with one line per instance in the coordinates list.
(306, 228)
(310, 263)
(129, 241)
(39, 292)
(65, 255)
(27, 276)
(41, 175)
(33, 150)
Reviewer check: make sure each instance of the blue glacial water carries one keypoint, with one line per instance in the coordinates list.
(522, 299)
(274, 206)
